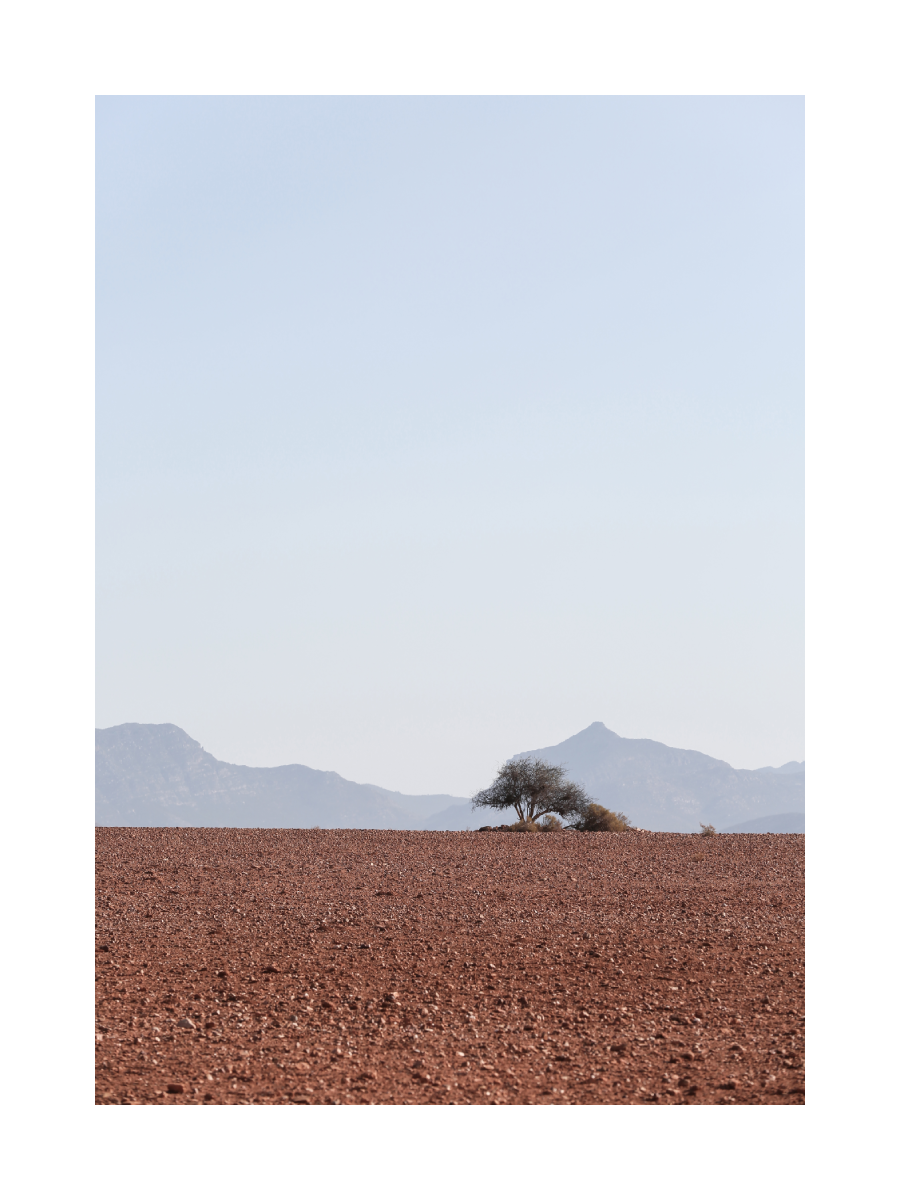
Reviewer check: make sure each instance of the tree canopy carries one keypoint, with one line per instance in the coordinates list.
(533, 788)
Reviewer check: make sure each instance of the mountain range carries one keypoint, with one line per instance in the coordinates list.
(661, 788)
(156, 775)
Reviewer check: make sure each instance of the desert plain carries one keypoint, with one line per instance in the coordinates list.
(302, 966)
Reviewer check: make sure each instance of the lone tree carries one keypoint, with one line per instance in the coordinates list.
(533, 788)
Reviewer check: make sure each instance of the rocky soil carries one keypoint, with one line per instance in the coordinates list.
(242, 966)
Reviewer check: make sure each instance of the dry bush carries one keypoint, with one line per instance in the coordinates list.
(522, 827)
(551, 824)
(518, 827)
(707, 830)
(597, 819)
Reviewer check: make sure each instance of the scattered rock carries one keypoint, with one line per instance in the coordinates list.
(186, 1023)
(175, 1089)
(636, 901)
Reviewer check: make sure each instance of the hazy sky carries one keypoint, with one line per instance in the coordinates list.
(432, 430)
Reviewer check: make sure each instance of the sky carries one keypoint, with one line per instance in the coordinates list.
(431, 430)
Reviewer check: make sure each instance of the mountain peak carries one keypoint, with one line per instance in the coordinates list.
(665, 788)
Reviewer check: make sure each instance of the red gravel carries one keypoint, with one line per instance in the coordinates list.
(376, 967)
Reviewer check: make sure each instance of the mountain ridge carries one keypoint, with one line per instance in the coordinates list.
(665, 788)
(157, 775)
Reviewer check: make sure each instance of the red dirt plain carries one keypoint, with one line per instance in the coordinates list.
(375, 967)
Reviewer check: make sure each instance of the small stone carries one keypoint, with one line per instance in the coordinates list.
(186, 1023)
(270, 970)
(175, 1089)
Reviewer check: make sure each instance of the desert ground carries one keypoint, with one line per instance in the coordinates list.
(242, 966)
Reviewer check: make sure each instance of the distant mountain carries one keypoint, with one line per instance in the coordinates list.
(155, 775)
(463, 816)
(664, 789)
(780, 823)
(789, 768)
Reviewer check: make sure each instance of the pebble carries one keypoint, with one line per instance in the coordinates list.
(633, 901)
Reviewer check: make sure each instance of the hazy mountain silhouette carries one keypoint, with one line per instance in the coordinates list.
(789, 768)
(661, 788)
(154, 775)
(157, 775)
(780, 823)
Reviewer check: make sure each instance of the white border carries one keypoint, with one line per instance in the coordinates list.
(54, 58)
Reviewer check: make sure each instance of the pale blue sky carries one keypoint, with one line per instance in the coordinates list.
(432, 430)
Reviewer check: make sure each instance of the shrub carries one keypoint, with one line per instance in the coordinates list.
(597, 819)
(522, 827)
(550, 824)
(707, 830)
